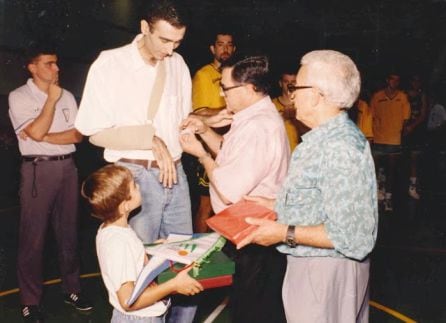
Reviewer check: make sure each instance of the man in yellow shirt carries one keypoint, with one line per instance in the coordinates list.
(207, 100)
(390, 110)
(286, 109)
(365, 118)
(206, 93)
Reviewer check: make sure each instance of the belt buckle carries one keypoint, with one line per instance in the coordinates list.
(36, 160)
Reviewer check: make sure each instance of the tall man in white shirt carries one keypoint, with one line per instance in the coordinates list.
(43, 114)
(117, 94)
(114, 109)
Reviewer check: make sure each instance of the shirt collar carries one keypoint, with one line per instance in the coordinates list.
(326, 127)
(253, 109)
(137, 61)
(35, 90)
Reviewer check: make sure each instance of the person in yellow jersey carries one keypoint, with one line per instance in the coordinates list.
(285, 107)
(391, 110)
(364, 119)
(207, 100)
(206, 93)
(294, 128)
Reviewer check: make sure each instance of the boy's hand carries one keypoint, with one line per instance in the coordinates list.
(186, 285)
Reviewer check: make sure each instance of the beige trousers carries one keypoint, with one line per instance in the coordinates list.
(326, 290)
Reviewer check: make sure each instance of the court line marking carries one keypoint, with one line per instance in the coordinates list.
(48, 282)
(224, 303)
(216, 312)
(392, 312)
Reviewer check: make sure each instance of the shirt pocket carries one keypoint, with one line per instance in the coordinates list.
(301, 196)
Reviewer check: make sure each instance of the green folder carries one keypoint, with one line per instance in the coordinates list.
(216, 265)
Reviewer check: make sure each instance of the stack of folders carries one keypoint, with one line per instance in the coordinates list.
(210, 266)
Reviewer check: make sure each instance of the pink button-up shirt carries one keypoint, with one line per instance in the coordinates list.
(254, 157)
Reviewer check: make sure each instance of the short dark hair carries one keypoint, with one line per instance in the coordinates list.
(106, 189)
(171, 11)
(393, 73)
(288, 70)
(217, 32)
(35, 50)
(250, 70)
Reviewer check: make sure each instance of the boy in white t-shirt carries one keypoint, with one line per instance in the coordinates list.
(113, 194)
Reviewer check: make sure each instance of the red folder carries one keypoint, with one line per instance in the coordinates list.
(213, 282)
(231, 223)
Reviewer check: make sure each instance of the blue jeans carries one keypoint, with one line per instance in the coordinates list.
(119, 317)
(163, 210)
(181, 314)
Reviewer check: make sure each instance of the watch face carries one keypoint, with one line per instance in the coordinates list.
(290, 236)
(290, 242)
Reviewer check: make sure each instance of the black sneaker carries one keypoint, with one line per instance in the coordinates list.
(79, 302)
(32, 313)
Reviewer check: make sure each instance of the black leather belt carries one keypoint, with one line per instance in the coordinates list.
(38, 158)
(145, 163)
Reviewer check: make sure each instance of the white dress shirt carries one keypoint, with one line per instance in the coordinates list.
(117, 93)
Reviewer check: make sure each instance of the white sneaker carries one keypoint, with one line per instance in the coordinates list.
(381, 195)
(388, 207)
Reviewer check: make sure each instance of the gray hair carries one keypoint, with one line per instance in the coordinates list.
(334, 74)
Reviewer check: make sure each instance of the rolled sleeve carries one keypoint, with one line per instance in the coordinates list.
(347, 191)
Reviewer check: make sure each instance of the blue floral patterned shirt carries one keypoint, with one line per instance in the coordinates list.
(331, 180)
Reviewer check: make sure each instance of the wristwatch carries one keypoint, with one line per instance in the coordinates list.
(290, 239)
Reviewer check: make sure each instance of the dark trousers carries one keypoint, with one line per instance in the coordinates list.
(48, 196)
(257, 286)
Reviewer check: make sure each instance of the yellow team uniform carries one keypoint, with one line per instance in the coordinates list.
(389, 115)
(291, 130)
(365, 119)
(206, 88)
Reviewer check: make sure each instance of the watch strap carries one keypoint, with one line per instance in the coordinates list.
(291, 236)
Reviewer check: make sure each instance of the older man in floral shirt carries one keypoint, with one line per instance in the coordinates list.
(327, 209)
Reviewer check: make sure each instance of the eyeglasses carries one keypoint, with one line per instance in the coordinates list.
(229, 88)
(291, 87)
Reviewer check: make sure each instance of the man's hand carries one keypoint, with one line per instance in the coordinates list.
(268, 233)
(22, 135)
(263, 201)
(221, 119)
(54, 91)
(192, 145)
(168, 172)
(194, 124)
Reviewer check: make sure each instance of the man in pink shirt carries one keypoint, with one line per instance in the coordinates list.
(251, 159)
